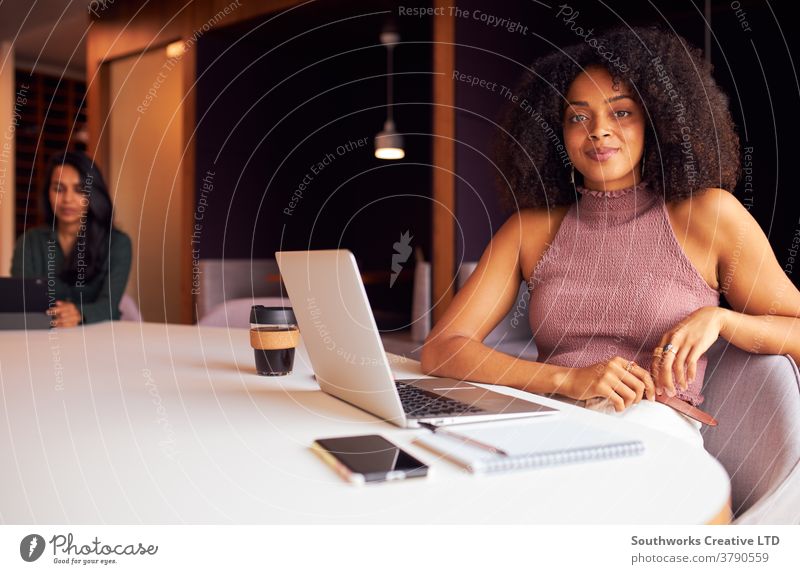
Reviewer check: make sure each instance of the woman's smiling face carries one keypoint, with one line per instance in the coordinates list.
(604, 128)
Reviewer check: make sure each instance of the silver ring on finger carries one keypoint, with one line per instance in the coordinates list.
(670, 348)
(629, 366)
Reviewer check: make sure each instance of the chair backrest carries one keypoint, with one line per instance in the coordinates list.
(128, 309)
(756, 399)
(511, 336)
(225, 279)
(235, 314)
(515, 326)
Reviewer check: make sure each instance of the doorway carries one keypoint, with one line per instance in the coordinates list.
(145, 138)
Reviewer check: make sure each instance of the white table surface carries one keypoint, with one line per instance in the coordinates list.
(150, 423)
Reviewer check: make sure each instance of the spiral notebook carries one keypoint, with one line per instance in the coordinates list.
(530, 444)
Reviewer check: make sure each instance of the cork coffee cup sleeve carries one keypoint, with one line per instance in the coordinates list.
(273, 340)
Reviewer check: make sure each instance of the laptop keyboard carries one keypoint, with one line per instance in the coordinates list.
(419, 403)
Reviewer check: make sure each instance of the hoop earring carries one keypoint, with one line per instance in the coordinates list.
(641, 172)
(572, 175)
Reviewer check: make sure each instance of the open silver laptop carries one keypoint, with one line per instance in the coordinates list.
(346, 352)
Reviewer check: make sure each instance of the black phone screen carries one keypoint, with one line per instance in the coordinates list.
(373, 457)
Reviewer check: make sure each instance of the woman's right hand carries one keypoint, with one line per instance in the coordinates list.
(64, 314)
(609, 380)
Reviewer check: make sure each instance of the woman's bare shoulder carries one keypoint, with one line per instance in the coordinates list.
(539, 227)
(712, 214)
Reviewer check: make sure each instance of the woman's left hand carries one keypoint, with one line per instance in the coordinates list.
(690, 339)
(64, 314)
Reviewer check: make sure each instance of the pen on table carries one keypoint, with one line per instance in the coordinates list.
(434, 429)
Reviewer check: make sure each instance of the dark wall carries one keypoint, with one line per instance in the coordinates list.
(755, 61)
(753, 67)
(295, 99)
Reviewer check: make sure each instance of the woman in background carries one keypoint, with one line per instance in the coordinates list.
(84, 258)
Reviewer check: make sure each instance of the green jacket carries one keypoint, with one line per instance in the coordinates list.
(98, 297)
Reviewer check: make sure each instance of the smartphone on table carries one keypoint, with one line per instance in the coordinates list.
(368, 459)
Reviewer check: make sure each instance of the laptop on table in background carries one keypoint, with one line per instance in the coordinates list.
(23, 304)
(347, 355)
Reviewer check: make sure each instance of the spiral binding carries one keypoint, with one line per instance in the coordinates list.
(519, 462)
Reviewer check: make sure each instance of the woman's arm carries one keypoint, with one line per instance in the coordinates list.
(765, 315)
(464, 357)
(106, 306)
(766, 305)
(769, 334)
(22, 258)
(454, 347)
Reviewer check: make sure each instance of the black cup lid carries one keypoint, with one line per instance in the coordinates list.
(261, 315)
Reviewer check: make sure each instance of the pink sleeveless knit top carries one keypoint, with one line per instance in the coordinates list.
(613, 281)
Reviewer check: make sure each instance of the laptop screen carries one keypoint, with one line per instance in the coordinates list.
(23, 295)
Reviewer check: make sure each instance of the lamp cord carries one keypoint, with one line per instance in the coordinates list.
(390, 73)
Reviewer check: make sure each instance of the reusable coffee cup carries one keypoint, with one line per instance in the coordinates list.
(273, 335)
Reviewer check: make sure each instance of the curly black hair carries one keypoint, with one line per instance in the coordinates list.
(691, 142)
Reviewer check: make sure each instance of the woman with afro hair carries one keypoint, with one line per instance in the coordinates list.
(616, 162)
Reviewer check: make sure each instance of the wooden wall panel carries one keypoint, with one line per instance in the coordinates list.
(444, 162)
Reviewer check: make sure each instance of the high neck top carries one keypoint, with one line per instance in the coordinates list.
(614, 193)
(613, 281)
(617, 204)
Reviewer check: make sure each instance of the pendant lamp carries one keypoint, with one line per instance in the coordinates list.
(388, 143)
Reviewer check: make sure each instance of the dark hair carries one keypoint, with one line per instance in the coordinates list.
(690, 140)
(98, 225)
